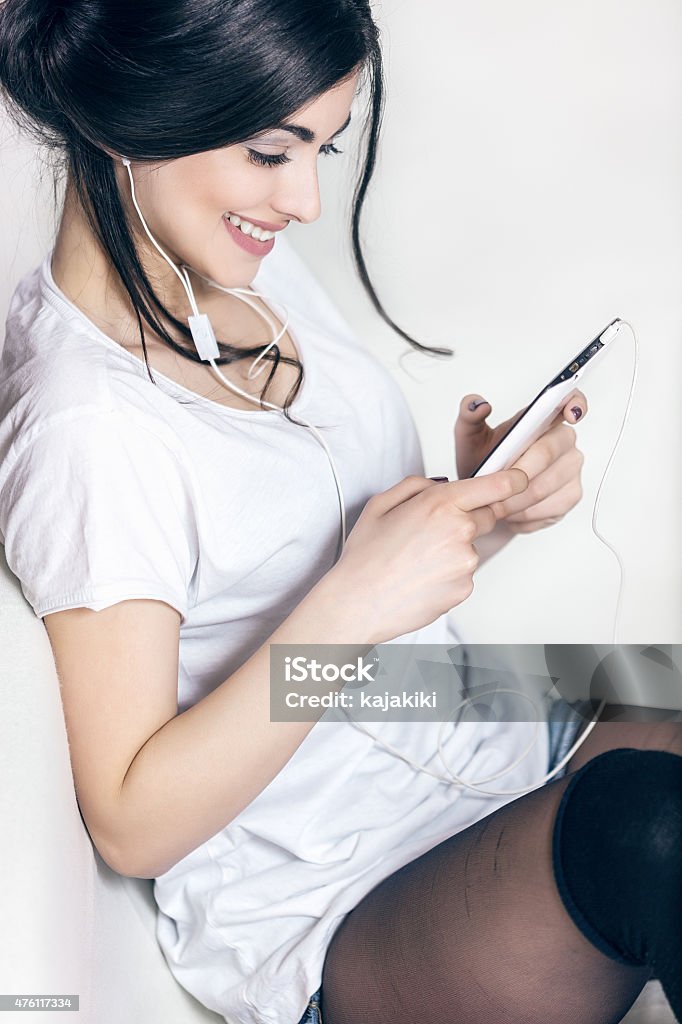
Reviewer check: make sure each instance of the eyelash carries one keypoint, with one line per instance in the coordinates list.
(265, 160)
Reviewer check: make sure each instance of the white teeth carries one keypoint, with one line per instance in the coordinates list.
(250, 229)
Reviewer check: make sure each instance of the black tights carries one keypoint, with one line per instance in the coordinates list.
(476, 930)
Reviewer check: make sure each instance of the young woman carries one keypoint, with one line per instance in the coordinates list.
(169, 528)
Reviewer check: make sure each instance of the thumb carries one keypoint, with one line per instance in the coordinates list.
(473, 412)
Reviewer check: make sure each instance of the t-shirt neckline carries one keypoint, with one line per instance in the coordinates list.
(63, 305)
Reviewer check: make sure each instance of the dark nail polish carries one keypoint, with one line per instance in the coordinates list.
(440, 479)
(577, 412)
(473, 406)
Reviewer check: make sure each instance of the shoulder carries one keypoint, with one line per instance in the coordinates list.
(48, 366)
(54, 371)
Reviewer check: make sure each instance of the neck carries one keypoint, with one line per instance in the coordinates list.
(83, 271)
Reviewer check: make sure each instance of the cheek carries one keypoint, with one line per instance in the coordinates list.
(172, 210)
(222, 181)
(184, 201)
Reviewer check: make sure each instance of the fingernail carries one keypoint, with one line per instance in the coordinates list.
(439, 479)
(475, 404)
(577, 412)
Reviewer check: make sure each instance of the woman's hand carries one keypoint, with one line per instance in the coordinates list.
(553, 463)
(410, 556)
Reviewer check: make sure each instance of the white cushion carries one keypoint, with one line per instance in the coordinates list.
(70, 925)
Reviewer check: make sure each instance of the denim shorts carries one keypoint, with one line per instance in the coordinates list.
(564, 723)
(312, 1014)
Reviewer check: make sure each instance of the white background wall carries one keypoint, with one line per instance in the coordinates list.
(529, 189)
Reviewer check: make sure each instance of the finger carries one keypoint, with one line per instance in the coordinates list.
(533, 527)
(566, 469)
(405, 489)
(547, 449)
(486, 490)
(553, 507)
(575, 407)
(471, 425)
(484, 519)
(470, 405)
(471, 420)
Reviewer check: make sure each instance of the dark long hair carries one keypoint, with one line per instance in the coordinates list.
(161, 79)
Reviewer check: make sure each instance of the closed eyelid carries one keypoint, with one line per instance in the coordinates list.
(302, 133)
(261, 140)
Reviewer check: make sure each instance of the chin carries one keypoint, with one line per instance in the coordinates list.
(237, 279)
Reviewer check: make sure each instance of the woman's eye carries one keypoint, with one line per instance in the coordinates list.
(266, 160)
(269, 160)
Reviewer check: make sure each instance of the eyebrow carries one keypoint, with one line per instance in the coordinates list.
(305, 134)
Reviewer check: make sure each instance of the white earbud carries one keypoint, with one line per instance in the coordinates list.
(125, 161)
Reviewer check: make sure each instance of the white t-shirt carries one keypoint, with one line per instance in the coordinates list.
(114, 488)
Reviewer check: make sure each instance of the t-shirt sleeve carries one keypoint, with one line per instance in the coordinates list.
(97, 509)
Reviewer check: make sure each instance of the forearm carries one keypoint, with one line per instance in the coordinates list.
(194, 775)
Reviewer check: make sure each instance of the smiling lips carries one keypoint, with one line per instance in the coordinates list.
(255, 228)
(249, 237)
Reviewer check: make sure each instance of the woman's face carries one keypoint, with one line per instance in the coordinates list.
(186, 202)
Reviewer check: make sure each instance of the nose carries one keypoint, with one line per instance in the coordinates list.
(298, 196)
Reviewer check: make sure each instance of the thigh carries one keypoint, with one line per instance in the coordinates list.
(475, 931)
